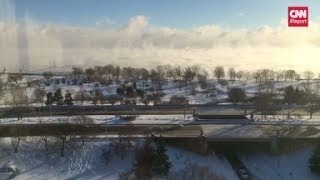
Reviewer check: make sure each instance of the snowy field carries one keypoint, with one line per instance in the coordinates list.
(170, 89)
(290, 166)
(33, 162)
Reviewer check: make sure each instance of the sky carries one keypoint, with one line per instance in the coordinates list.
(164, 13)
(244, 34)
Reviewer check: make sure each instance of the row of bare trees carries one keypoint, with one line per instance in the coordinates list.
(186, 74)
(76, 128)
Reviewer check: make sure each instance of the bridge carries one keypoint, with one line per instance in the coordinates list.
(177, 133)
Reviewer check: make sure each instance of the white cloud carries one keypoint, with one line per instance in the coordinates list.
(105, 22)
(139, 44)
(136, 24)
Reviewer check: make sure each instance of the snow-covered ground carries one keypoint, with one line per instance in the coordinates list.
(160, 119)
(282, 119)
(170, 89)
(288, 166)
(105, 119)
(33, 162)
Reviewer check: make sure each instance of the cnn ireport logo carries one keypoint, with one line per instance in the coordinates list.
(298, 16)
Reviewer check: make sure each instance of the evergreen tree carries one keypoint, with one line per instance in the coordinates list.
(134, 85)
(120, 91)
(143, 161)
(58, 98)
(289, 95)
(50, 99)
(314, 161)
(151, 160)
(130, 92)
(236, 95)
(161, 162)
(68, 99)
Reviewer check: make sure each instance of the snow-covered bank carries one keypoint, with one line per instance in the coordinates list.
(33, 162)
(288, 166)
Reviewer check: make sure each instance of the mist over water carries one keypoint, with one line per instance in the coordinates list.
(28, 45)
(14, 39)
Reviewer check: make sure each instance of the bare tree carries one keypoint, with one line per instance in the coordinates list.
(308, 75)
(44, 138)
(39, 94)
(265, 104)
(19, 100)
(258, 76)
(232, 74)
(247, 75)
(90, 75)
(279, 75)
(290, 75)
(168, 71)
(117, 72)
(267, 74)
(83, 122)
(189, 74)
(97, 96)
(313, 103)
(145, 76)
(178, 74)
(160, 76)
(108, 70)
(210, 90)
(16, 138)
(219, 73)
(81, 95)
(77, 72)
(62, 135)
(239, 75)
(124, 142)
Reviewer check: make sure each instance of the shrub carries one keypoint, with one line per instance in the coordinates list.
(178, 99)
(128, 117)
(236, 95)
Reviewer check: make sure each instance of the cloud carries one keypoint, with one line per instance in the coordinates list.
(139, 44)
(105, 22)
(136, 24)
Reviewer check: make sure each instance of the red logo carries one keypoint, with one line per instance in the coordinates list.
(298, 16)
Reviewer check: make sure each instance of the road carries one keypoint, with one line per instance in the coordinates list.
(240, 132)
(7, 112)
